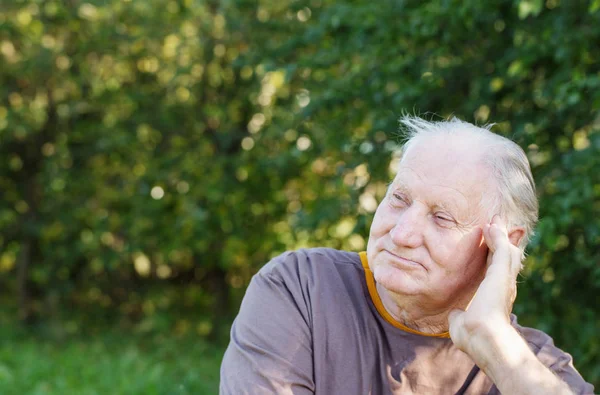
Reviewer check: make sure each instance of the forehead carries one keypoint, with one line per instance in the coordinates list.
(445, 171)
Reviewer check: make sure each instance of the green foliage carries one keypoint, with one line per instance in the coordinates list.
(178, 145)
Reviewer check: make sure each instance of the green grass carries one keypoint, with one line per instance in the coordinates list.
(112, 363)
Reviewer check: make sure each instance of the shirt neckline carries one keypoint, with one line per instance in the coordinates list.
(379, 304)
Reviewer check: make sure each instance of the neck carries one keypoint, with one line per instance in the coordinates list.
(413, 313)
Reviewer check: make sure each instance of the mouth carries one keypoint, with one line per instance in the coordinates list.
(403, 262)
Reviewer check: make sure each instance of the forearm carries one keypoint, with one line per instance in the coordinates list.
(506, 359)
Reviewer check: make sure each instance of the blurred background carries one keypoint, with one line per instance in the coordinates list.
(155, 154)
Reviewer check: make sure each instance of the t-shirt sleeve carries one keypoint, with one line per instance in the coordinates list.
(562, 366)
(558, 361)
(270, 351)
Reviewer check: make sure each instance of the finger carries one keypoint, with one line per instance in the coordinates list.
(495, 233)
(503, 265)
(499, 255)
(513, 297)
(516, 261)
(496, 237)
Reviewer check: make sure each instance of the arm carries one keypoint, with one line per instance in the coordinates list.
(484, 331)
(270, 351)
(507, 360)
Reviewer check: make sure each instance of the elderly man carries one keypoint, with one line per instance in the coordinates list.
(426, 309)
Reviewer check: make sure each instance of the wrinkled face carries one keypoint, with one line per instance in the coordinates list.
(426, 238)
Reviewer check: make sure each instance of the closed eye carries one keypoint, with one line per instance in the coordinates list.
(400, 198)
(444, 220)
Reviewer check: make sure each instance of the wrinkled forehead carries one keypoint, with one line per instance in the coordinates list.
(449, 173)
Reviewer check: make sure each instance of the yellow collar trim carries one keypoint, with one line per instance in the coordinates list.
(379, 304)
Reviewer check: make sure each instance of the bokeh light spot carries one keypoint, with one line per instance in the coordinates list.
(157, 193)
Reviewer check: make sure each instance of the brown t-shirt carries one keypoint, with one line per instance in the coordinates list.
(312, 323)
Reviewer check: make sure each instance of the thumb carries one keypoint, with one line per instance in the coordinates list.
(454, 316)
(456, 319)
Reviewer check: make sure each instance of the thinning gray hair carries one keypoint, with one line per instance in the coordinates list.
(515, 198)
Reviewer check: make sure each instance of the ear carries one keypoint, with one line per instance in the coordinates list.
(515, 235)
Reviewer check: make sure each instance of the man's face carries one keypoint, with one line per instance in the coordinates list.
(426, 237)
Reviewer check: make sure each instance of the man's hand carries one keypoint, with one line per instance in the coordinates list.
(491, 306)
(484, 331)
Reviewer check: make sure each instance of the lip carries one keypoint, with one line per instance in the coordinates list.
(403, 262)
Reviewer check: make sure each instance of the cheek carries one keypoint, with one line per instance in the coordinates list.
(459, 252)
(382, 221)
(380, 227)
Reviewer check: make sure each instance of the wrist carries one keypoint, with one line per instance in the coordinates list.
(498, 347)
(503, 351)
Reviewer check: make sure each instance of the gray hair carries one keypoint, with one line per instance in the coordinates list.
(515, 200)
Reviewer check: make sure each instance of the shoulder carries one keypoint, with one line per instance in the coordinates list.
(540, 343)
(296, 283)
(309, 261)
(557, 360)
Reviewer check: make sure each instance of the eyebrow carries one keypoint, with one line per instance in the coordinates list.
(444, 205)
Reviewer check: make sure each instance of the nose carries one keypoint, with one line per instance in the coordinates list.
(409, 227)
